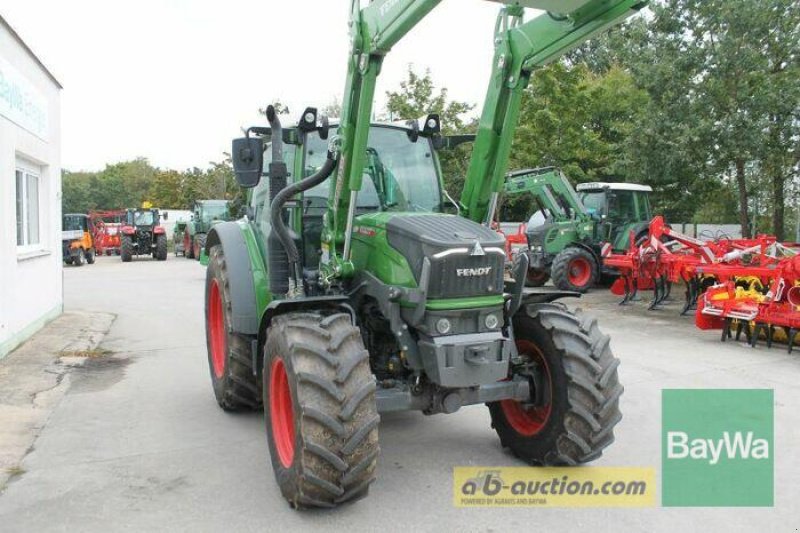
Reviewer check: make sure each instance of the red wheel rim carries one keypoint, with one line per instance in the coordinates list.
(281, 413)
(186, 243)
(529, 421)
(216, 329)
(197, 250)
(580, 272)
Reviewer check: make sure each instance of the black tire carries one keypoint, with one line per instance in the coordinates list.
(584, 390)
(80, 258)
(232, 377)
(198, 245)
(161, 247)
(188, 251)
(90, 256)
(574, 269)
(68, 260)
(536, 278)
(126, 248)
(333, 415)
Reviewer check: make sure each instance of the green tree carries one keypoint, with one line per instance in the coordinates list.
(722, 80)
(417, 97)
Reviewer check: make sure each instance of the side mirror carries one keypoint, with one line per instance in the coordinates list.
(248, 160)
(165, 215)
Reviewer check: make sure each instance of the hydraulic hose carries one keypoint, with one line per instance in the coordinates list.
(276, 210)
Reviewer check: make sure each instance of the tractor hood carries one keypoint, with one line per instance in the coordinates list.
(467, 258)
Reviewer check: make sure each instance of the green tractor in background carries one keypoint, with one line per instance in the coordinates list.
(567, 228)
(205, 214)
(356, 286)
(178, 233)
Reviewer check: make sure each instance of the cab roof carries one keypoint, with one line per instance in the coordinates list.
(597, 185)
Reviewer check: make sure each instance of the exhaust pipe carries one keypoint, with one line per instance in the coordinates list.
(284, 258)
(278, 174)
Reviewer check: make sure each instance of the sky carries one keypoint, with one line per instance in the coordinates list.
(175, 80)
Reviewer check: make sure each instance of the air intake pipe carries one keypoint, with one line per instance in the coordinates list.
(285, 261)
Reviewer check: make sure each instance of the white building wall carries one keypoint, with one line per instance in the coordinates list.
(30, 278)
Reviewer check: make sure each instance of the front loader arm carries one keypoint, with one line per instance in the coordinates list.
(374, 30)
(520, 48)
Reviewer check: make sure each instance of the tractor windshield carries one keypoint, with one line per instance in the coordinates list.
(73, 223)
(399, 175)
(215, 212)
(594, 202)
(143, 218)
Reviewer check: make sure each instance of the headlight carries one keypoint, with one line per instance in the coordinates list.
(491, 321)
(443, 326)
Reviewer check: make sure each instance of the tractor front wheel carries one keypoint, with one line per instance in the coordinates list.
(161, 248)
(80, 259)
(90, 257)
(574, 269)
(199, 244)
(573, 418)
(229, 353)
(126, 248)
(321, 415)
(536, 278)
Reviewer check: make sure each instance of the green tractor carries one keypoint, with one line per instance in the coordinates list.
(565, 235)
(349, 290)
(178, 233)
(205, 214)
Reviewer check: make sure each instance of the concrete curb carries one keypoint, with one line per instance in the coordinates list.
(35, 377)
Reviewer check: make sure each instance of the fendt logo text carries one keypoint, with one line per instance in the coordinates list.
(735, 445)
(473, 272)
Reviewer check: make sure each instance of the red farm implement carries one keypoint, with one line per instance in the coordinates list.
(771, 311)
(107, 230)
(751, 284)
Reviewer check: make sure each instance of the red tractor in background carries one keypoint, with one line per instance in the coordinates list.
(143, 234)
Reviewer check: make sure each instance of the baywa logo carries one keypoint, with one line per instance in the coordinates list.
(717, 448)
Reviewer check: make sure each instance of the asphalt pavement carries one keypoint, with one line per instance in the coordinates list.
(138, 442)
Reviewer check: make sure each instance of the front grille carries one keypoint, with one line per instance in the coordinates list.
(446, 283)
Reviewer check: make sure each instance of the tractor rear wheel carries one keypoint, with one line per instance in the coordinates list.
(574, 269)
(161, 247)
(126, 248)
(199, 244)
(536, 278)
(321, 415)
(188, 246)
(574, 420)
(230, 358)
(90, 257)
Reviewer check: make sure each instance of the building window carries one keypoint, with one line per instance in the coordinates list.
(28, 184)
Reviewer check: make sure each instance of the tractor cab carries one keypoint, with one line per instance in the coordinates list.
(209, 212)
(618, 208)
(142, 218)
(400, 176)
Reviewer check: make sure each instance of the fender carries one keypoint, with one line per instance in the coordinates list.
(127, 230)
(158, 230)
(244, 309)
